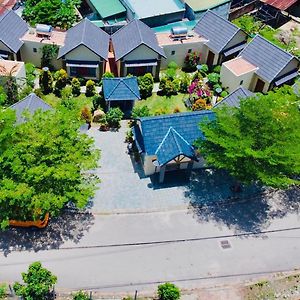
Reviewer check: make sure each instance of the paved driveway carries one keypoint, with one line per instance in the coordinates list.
(124, 188)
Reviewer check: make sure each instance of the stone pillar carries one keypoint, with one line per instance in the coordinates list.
(162, 174)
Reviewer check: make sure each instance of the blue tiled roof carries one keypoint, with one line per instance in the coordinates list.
(31, 103)
(172, 146)
(186, 126)
(235, 97)
(117, 89)
(217, 30)
(269, 58)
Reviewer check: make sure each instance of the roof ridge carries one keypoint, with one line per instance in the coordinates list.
(139, 30)
(163, 140)
(112, 91)
(174, 131)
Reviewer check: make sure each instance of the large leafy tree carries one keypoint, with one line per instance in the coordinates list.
(258, 142)
(44, 164)
(52, 12)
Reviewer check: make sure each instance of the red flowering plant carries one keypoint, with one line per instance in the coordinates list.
(192, 60)
(199, 90)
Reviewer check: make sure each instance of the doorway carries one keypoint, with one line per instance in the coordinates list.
(210, 58)
(259, 86)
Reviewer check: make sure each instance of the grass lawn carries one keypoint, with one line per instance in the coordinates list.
(159, 105)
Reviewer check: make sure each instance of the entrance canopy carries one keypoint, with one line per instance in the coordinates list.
(82, 64)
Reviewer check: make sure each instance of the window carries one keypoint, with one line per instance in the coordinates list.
(190, 50)
(241, 82)
(173, 52)
(34, 50)
(83, 72)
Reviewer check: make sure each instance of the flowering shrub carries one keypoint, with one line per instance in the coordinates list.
(192, 60)
(198, 89)
(200, 104)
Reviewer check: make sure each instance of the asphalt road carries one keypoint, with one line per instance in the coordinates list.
(137, 251)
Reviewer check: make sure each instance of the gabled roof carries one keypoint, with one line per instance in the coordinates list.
(235, 97)
(31, 103)
(198, 6)
(131, 36)
(89, 35)
(12, 28)
(186, 125)
(125, 88)
(172, 146)
(269, 58)
(217, 30)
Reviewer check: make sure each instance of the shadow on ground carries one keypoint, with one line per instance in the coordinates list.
(70, 226)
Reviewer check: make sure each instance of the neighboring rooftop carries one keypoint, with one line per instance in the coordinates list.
(235, 97)
(202, 5)
(155, 129)
(31, 103)
(10, 67)
(240, 66)
(164, 38)
(57, 37)
(120, 89)
(154, 8)
(131, 36)
(107, 9)
(217, 30)
(269, 58)
(89, 35)
(12, 28)
(280, 4)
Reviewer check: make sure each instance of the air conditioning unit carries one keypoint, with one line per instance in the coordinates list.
(43, 31)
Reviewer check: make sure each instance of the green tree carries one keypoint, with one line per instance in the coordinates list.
(140, 112)
(30, 74)
(47, 165)
(38, 282)
(53, 12)
(75, 87)
(61, 78)
(258, 142)
(146, 83)
(46, 81)
(90, 88)
(114, 117)
(168, 291)
(3, 290)
(248, 24)
(49, 52)
(108, 75)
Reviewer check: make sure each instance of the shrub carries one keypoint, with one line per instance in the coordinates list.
(66, 93)
(203, 69)
(25, 91)
(176, 85)
(30, 74)
(99, 102)
(217, 69)
(199, 104)
(3, 289)
(38, 92)
(140, 112)
(129, 136)
(75, 83)
(176, 110)
(86, 114)
(46, 82)
(224, 94)
(49, 52)
(146, 83)
(168, 291)
(185, 81)
(172, 65)
(108, 75)
(192, 60)
(61, 78)
(114, 117)
(38, 282)
(90, 88)
(81, 295)
(213, 78)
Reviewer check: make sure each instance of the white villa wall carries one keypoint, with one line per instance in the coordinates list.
(294, 64)
(240, 37)
(232, 81)
(29, 56)
(181, 50)
(21, 76)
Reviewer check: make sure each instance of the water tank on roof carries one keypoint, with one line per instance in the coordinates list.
(43, 30)
(179, 32)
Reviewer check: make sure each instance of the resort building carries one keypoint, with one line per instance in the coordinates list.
(260, 67)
